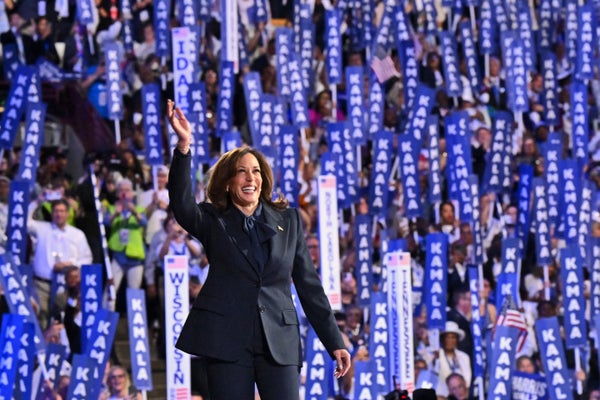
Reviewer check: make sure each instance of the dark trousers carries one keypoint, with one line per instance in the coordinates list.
(232, 380)
(235, 380)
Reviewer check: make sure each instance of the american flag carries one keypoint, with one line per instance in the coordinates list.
(181, 394)
(511, 317)
(384, 68)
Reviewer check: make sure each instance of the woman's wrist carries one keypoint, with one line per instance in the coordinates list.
(184, 148)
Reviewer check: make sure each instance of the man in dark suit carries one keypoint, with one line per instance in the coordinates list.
(244, 322)
(16, 36)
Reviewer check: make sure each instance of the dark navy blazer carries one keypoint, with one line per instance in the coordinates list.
(237, 290)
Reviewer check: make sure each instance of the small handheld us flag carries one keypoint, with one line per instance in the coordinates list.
(510, 316)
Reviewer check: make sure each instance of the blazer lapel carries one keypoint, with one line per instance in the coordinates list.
(276, 226)
(232, 220)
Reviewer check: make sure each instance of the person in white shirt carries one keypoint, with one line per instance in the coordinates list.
(450, 360)
(57, 245)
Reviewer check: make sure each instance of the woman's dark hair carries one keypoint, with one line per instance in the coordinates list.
(226, 168)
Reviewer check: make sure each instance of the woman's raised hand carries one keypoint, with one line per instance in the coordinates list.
(181, 126)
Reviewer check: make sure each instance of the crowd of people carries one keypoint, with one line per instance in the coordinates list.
(141, 230)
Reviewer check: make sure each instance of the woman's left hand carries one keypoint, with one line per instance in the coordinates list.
(343, 361)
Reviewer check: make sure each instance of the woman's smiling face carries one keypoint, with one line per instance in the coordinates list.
(245, 186)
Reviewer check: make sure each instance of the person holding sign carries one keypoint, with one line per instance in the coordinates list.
(244, 322)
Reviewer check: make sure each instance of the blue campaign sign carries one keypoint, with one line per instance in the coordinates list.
(364, 277)
(553, 358)
(379, 340)
(18, 301)
(15, 103)
(82, 382)
(289, 162)
(10, 344)
(529, 386)
(571, 273)
(319, 369)
(113, 58)
(333, 36)
(91, 299)
(382, 163)
(152, 128)
(436, 263)
(34, 131)
(141, 366)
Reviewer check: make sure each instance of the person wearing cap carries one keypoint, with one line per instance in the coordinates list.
(449, 359)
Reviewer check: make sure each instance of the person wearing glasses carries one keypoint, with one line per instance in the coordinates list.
(119, 385)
